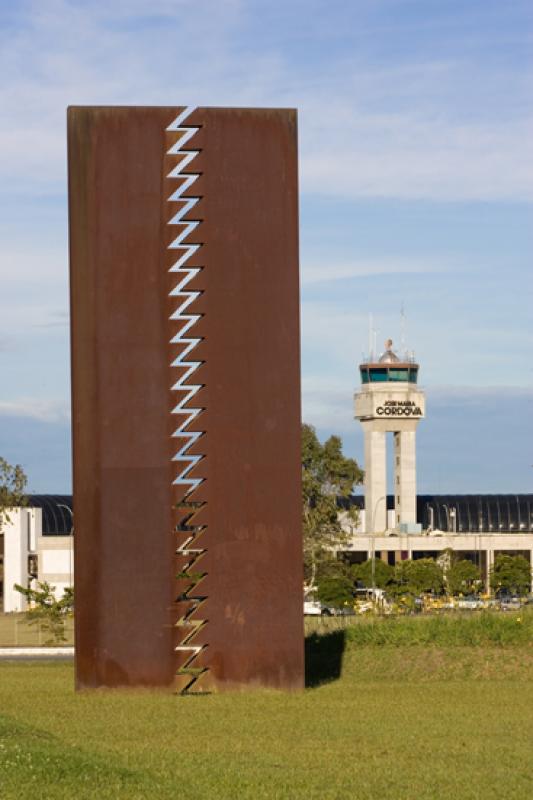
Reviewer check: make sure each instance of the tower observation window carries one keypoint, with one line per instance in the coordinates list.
(379, 375)
(399, 374)
(389, 374)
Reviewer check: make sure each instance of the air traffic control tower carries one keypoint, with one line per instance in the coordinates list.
(390, 402)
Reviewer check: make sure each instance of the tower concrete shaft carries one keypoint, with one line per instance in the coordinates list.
(405, 476)
(390, 402)
(375, 478)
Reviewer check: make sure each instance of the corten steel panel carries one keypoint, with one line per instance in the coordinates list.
(120, 386)
(234, 539)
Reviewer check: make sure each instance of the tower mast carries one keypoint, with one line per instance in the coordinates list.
(403, 344)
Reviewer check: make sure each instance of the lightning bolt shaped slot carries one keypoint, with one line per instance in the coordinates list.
(182, 252)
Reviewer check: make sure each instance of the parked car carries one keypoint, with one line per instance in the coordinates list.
(363, 606)
(510, 603)
(471, 602)
(314, 608)
(367, 593)
(345, 611)
(438, 603)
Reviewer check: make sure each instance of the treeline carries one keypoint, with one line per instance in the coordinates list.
(327, 476)
(338, 581)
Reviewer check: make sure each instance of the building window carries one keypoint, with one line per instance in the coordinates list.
(378, 375)
(399, 375)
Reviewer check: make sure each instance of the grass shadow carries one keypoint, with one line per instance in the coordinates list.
(323, 657)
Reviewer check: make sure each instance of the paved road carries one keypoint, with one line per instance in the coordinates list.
(36, 653)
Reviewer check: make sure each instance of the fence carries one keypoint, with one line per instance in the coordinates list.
(16, 632)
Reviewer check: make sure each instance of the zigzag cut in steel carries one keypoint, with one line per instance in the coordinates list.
(185, 254)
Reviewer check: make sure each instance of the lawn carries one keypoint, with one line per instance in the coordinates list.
(400, 722)
(453, 628)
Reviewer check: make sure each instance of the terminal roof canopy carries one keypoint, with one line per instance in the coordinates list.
(57, 512)
(467, 513)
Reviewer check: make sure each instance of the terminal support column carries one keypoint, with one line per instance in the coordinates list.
(489, 563)
(405, 476)
(375, 479)
(15, 558)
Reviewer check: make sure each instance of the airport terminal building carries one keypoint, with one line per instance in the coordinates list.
(477, 527)
(37, 541)
(400, 524)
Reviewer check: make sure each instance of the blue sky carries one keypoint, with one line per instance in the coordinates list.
(416, 176)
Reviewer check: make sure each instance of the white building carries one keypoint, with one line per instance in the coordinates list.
(36, 543)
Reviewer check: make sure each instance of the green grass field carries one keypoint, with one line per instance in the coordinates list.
(400, 722)
(454, 629)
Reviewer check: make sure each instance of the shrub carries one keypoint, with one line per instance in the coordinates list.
(46, 611)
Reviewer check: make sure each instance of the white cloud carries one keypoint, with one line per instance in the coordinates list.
(34, 280)
(327, 272)
(334, 332)
(328, 404)
(410, 156)
(444, 130)
(405, 130)
(42, 410)
(472, 395)
(30, 260)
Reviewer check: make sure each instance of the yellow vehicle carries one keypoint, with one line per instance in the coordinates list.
(432, 603)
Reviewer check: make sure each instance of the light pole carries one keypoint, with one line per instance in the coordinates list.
(431, 515)
(445, 507)
(451, 526)
(373, 550)
(62, 505)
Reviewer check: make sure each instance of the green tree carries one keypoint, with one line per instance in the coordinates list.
(401, 582)
(415, 577)
(511, 574)
(12, 489)
(326, 475)
(47, 612)
(383, 573)
(335, 589)
(463, 577)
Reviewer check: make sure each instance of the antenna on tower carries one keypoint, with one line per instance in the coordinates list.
(370, 337)
(403, 347)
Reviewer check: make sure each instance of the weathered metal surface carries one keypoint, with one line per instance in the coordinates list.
(120, 386)
(234, 539)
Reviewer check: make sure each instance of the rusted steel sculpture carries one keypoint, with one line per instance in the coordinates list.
(186, 403)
